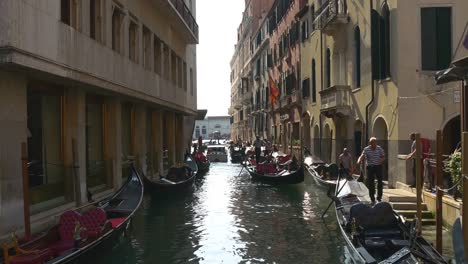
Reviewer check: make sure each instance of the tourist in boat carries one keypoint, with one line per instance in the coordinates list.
(346, 161)
(374, 156)
(258, 148)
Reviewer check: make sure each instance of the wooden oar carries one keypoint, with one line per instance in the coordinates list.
(334, 198)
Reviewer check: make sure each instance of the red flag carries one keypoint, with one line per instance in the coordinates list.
(274, 91)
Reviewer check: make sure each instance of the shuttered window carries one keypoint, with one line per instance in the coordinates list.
(306, 88)
(436, 38)
(314, 83)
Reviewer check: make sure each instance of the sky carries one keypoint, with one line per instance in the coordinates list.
(218, 22)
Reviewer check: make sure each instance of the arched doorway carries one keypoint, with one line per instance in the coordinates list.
(316, 136)
(306, 130)
(451, 135)
(326, 144)
(358, 144)
(380, 131)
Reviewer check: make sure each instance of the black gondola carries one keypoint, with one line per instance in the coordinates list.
(283, 177)
(377, 234)
(236, 154)
(186, 174)
(100, 222)
(203, 167)
(317, 168)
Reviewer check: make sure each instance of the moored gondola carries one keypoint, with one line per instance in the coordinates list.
(81, 230)
(179, 177)
(269, 173)
(377, 234)
(325, 175)
(202, 161)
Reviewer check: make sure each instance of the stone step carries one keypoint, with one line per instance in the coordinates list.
(399, 195)
(401, 199)
(411, 213)
(424, 222)
(407, 206)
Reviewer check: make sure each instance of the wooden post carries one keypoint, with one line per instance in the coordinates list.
(76, 177)
(439, 183)
(465, 190)
(418, 181)
(26, 198)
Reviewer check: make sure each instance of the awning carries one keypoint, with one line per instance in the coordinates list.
(458, 71)
(201, 113)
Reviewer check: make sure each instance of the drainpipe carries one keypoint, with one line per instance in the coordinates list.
(371, 102)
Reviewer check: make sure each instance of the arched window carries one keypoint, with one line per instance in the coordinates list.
(357, 54)
(314, 82)
(203, 130)
(197, 131)
(385, 41)
(328, 68)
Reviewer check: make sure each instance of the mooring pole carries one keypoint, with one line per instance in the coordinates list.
(464, 174)
(418, 181)
(439, 183)
(26, 197)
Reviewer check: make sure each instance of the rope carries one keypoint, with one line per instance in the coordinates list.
(427, 95)
(460, 181)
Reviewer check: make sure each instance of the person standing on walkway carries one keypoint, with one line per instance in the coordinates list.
(258, 148)
(374, 156)
(346, 161)
(412, 157)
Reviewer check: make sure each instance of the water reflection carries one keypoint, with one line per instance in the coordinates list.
(228, 219)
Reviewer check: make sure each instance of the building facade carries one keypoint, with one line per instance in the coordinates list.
(213, 127)
(87, 86)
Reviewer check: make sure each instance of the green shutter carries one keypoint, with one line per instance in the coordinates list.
(428, 39)
(375, 44)
(444, 37)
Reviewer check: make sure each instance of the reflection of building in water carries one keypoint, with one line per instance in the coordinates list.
(213, 127)
(107, 82)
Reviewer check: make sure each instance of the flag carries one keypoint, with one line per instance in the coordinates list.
(274, 91)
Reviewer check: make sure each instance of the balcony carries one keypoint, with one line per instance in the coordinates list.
(336, 101)
(184, 21)
(332, 15)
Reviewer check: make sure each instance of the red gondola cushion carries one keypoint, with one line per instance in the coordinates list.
(93, 220)
(67, 224)
(116, 221)
(266, 168)
(37, 258)
(284, 159)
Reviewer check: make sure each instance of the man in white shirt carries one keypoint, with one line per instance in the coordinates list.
(346, 161)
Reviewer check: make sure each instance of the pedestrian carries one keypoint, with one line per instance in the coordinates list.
(374, 156)
(346, 161)
(258, 148)
(412, 156)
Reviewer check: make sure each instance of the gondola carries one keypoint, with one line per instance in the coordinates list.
(236, 155)
(98, 223)
(185, 172)
(377, 234)
(203, 163)
(283, 176)
(323, 174)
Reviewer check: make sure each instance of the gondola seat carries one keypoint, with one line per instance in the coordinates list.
(377, 221)
(95, 222)
(66, 229)
(116, 222)
(266, 168)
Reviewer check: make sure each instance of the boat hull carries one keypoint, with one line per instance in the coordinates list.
(290, 178)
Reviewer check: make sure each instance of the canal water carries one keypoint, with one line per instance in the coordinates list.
(227, 218)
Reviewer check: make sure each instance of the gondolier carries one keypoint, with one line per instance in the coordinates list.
(374, 156)
(258, 148)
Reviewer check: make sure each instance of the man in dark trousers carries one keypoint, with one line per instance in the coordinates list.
(374, 156)
(258, 148)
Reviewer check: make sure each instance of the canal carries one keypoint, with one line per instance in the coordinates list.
(229, 219)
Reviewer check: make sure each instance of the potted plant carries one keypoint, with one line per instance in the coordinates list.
(454, 168)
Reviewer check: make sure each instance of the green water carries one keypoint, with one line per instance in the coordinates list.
(227, 218)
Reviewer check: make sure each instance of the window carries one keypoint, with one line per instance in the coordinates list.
(197, 131)
(312, 13)
(146, 48)
(133, 42)
(357, 55)
(174, 68)
(127, 122)
(306, 88)
(180, 70)
(157, 55)
(314, 82)
(70, 12)
(380, 43)
(117, 19)
(191, 81)
(328, 68)
(96, 20)
(436, 38)
(95, 164)
(167, 58)
(47, 179)
(203, 130)
(305, 30)
(184, 74)
(385, 41)
(217, 126)
(65, 11)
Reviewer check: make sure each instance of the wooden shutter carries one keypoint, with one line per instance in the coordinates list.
(444, 37)
(428, 39)
(375, 44)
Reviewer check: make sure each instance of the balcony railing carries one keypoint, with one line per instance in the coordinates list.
(336, 100)
(331, 15)
(188, 25)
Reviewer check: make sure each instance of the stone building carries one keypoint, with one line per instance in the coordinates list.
(213, 127)
(86, 86)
